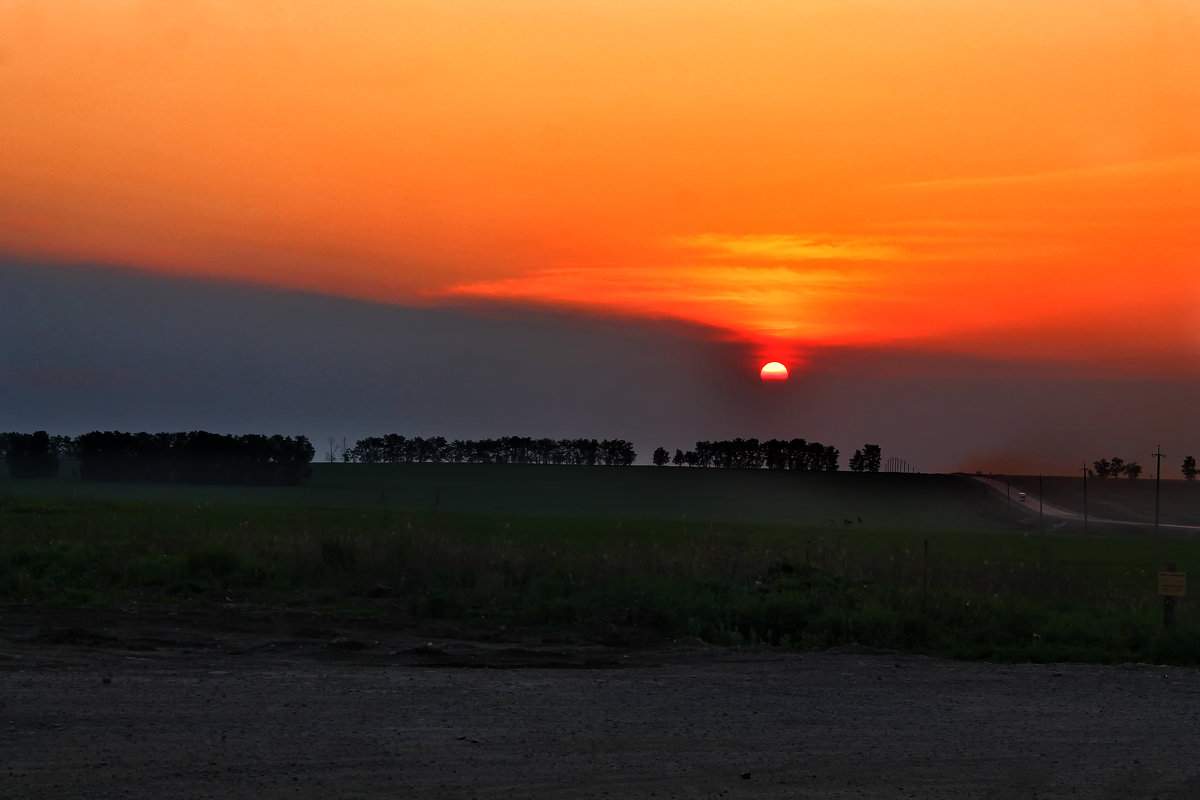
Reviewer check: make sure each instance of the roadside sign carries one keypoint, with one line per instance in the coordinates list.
(1172, 584)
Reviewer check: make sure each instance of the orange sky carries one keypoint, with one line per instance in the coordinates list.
(1017, 179)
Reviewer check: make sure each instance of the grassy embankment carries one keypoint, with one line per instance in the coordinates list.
(935, 566)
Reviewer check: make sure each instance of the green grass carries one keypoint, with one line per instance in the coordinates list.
(970, 594)
(876, 501)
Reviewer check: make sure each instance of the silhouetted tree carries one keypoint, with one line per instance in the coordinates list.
(394, 448)
(1189, 468)
(617, 452)
(814, 456)
(106, 456)
(194, 457)
(30, 455)
(750, 454)
(294, 457)
(660, 457)
(1115, 467)
(775, 454)
(63, 446)
(868, 459)
(544, 450)
(796, 454)
(370, 450)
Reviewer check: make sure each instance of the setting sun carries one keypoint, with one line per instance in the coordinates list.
(773, 371)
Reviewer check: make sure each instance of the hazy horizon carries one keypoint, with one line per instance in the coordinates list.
(100, 348)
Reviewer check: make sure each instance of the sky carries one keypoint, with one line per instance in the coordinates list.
(969, 229)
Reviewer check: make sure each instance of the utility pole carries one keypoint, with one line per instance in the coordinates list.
(1085, 472)
(1041, 519)
(1158, 454)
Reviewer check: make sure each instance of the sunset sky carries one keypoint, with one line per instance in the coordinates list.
(916, 192)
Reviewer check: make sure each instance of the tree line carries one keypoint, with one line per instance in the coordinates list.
(396, 449)
(255, 459)
(191, 457)
(779, 454)
(252, 459)
(1116, 467)
(33, 455)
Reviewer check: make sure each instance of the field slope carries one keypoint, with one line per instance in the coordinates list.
(939, 564)
(842, 499)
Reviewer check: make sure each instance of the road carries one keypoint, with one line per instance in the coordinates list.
(1012, 491)
(212, 703)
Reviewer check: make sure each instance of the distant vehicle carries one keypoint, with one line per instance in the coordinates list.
(1021, 497)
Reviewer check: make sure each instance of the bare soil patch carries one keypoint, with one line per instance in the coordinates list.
(237, 702)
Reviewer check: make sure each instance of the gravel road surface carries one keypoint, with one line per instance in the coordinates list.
(229, 703)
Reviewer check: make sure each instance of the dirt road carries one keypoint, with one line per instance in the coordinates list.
(229, 703)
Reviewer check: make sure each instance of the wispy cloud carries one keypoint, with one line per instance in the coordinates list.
(787, 247)
(801, 288)
(753, 302)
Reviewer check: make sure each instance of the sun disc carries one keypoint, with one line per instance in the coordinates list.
(773, 371)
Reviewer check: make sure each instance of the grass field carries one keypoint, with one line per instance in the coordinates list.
(938, 564)
(878, 501)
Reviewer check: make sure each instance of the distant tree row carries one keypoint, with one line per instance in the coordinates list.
(195, 457)
(394, 449)
(1115, 467)
(30, 455)
(782, 454)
